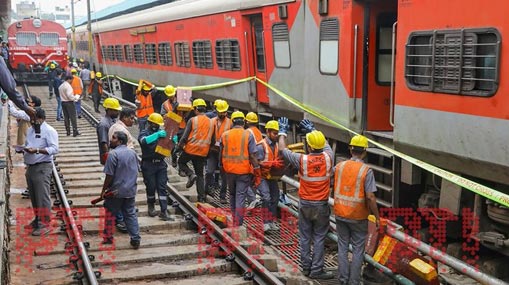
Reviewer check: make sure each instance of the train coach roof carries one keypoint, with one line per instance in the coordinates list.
(125, 7)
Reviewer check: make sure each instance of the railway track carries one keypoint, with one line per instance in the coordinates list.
(187, 250)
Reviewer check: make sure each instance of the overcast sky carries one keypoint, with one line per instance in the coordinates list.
(80, 6)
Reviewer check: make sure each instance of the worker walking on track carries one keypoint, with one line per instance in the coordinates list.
(354, 199)
(144, 103)
(153, 166)
(271, 165)
(68, 108)
(171, 105)
(238, 155)
(221, 124)
(95, 88)
(77, 87)
(315, 171)
(112, 107)
(195, 144)
(121, 171)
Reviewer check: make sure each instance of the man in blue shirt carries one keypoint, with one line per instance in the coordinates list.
(120, 189)
(40, 147)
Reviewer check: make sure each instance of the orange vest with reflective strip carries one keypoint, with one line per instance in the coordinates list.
(349, 195)
(76, 85)
(146, 107)
(314, 173)
(256, 134)
(200, 136)
(221, 127)
(235, 154)
(269, 156)
(169, 108)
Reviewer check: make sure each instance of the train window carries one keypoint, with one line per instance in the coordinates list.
(111, 53)
(228, 55)
(384, 48)
(26, 39)
(119, 56)
(182, 56)
(82, 45)
(128, 51)
(164, 52)
(462, 62)
(281, 40)
(49, 39)
(138, 54)
(202, 54)
(150, 53)
(329, 46)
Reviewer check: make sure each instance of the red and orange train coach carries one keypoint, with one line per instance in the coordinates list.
(33, 44)
(423, 76)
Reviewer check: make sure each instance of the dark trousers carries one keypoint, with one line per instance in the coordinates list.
(198, 163)
(269, 190)
(238, 185)
(212, 166)
(155, 177)
(38, 179)
(125, 206)
(69, 116)
(96, 97)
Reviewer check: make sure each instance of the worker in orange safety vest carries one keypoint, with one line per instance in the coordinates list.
(144, 105)
(315, 170)
(354, 199)
(195, 144)
(238, 158)
(77, 87)
(252, 127)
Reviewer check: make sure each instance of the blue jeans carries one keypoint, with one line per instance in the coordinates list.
(78, 107)
(155, 177)
(313, 227)
(238, 185)
(59, 108)
(126, 206)
(269, 190)
(353, 232)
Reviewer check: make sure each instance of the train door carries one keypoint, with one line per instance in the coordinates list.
(379, 20)
(258, 52)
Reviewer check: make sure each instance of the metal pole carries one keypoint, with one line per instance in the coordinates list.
(73, 29)
(89, 29)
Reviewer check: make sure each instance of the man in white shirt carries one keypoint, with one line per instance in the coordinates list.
(126, 119)
(68, 98)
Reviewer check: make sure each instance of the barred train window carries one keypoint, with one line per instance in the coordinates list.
(150, 53)
(26, 39)
(462, 62)
(329, 46)
(119, 56)
(182, 57)
(228, 55)
(111, 53)
(202, 54)
(138, 54)
(128, 51)
(281, 39)
(82, 45)
(164, 52)
(49, 39)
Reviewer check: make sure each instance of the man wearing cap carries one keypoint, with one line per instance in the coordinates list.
(237, 156)
(195, 144)
(77, 87)
(354, 200)
(153, 166)
(52, 73)
(315, 170)
(171, 105)
(95, 88)
(112, 107)
(143, 102)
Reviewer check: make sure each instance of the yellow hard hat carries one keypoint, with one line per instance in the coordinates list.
(112, 103)
(52, 66)
(315, 139)
(169, 90)
(74, 70)
(146, 87)
(199, 103)
(271, 125)
(252, 117)
(237, 115)
(221, 106)
(217, 101)
(81, 60)
(156, 118)
(98, 74)
(359, 141)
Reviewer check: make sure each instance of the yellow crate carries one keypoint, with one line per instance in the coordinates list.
(384, 250)
(423, 269)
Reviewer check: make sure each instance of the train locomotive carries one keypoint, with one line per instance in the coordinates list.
(33, 45)
(424, 77)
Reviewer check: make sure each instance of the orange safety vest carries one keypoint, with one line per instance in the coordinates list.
(269, 171)
(200, 136)
(91, 86)
(235, 154)
(146, 107)
(169, 108)
(315, 172)
(221, 126)
(256, 134)
(349, 195)
(76, 85)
